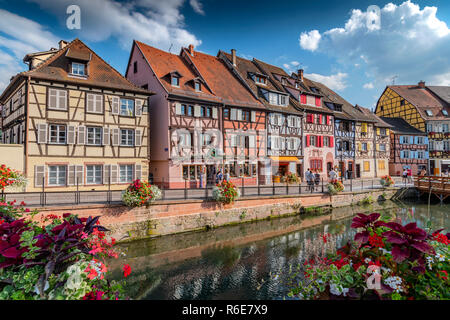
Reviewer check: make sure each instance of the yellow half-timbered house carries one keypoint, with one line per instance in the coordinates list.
(426, 108)
(83, 125)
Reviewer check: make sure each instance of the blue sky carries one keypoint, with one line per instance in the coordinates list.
(329, 39)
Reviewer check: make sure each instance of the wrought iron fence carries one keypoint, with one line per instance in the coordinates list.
(46, 197)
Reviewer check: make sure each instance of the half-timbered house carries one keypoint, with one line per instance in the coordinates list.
(283, 120)
(373, 145)
(203, 119)
(427, 108)
(318, 125)
(409, 147)
(81, 122)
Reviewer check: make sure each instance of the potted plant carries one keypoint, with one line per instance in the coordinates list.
(335, 186)
(10, 177)
(140, 193)
(386, 181)
(226, 192)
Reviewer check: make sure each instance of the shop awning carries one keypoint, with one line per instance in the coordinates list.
(285, 159)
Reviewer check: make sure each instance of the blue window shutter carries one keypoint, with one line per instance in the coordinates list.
(426, 140)
(416, 140)
(401, 154)
(411, 139)
(427, 155)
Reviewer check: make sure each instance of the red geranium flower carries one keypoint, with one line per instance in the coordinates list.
(126, 270)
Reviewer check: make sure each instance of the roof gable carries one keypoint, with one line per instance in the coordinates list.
(100, 73)
(423, 99)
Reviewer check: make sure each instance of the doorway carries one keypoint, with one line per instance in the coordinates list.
(350, 170)
(342, 168)
(329, 167)
(358, 171)
(210, 174)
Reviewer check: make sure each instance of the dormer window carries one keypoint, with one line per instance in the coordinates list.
(315, 90)
(260, 79)
(445, 113)
(296, 85)
(175, 81)
(429, 113)
(198, 86)
(78, 69)
(283, 81)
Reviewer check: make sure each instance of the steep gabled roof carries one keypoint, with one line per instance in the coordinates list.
(164, 64)
(222, 82)
(372, 117)
(274, 72)
(244, 68)
(423, 99)
(443, 92)
(219, 84)
(400, 126)
(100, 73)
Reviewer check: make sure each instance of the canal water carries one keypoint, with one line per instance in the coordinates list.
(247, 261)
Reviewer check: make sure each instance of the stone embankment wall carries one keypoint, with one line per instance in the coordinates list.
(170, 217)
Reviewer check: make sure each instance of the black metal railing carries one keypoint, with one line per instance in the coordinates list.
(47, 197)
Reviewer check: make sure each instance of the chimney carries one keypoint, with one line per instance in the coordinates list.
(62, 44)
(233, 57)
(422, 84)
(300, 74)
(191, 49)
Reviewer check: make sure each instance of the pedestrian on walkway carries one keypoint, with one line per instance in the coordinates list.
(227, 175)
(202, 176)
(219, 176)
(309, 180)
(333, 175)
(409, 176)
(317, 179)
(405, 175)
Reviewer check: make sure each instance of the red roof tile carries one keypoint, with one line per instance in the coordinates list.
(221, 85)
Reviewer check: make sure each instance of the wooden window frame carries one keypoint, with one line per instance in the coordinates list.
(172, 78)
(57, 134)
(127, 137)
(86, 174)
(72, 73)
(120, 107)
(57, 174)
(87, 136)
(57, 107)
(119, 172)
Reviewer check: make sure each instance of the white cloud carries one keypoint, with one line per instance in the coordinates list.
(158, 23)
(19, 36)
(310, 40)
(292, 66)
(368, 85)
(334, 81)
(411, 43)
(197, 6)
